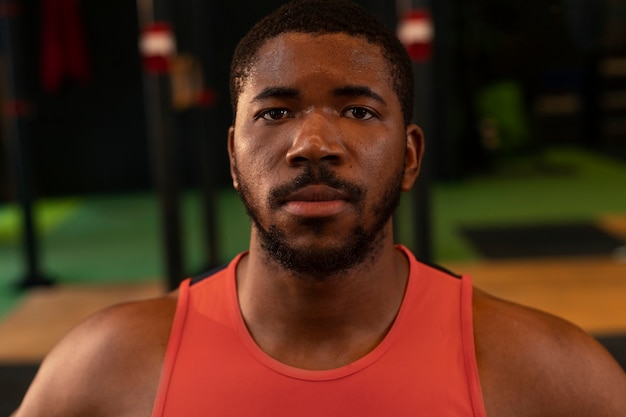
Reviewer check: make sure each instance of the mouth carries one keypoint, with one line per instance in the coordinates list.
(316, 201)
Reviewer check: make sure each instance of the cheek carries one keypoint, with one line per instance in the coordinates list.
(251, 158)
(261, 151)
(254, 167)
(380, 159)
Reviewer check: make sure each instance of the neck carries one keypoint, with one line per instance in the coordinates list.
(321, 323)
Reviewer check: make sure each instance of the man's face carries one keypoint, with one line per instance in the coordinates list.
(319, 151)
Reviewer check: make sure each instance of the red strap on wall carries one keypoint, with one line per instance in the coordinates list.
(416, 31)
(63, 49)
(157, 46)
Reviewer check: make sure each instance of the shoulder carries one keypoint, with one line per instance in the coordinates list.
(535, 364)
(109, 364)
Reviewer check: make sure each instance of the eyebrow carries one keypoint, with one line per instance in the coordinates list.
(276, 92)
(358, 91)
(346, 91)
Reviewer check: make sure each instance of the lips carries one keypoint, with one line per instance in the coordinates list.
(316, 193)
(316, 201)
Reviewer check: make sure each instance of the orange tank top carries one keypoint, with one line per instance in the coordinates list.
(426, 365)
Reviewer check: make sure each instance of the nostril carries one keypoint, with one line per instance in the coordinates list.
(331, 158)
(297, 160)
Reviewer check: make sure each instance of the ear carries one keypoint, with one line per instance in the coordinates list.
(231, 157)
(413, 155)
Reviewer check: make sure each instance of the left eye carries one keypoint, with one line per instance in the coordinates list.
(274, 114)
(360, 113)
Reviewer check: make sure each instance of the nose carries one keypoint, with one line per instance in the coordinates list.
(318, 139)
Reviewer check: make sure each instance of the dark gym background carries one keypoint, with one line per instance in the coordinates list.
(91, 137)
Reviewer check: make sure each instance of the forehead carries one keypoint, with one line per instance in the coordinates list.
(296, 57)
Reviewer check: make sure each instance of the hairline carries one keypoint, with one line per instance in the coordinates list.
(386, 54)
(254, 59)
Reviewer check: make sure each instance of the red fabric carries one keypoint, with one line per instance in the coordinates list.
(426, 364)
(156, 64)
(157, 61)
(63, 49)
(420, 50)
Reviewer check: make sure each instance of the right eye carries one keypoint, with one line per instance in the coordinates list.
(274, 114)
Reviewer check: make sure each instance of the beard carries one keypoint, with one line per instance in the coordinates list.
(323, 263)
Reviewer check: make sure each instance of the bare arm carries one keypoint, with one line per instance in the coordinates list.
(109, 365)
(534, 364)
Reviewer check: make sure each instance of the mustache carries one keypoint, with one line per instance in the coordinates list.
(320, 175)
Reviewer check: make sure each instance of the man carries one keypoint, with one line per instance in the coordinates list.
(324, 315)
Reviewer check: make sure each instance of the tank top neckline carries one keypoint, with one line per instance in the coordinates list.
(318, 375)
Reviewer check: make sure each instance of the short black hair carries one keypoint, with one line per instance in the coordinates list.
(323, 17)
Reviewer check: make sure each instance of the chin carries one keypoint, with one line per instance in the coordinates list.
(323, 260)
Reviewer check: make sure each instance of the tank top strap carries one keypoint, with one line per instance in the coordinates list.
(176, 333)
(469, 350)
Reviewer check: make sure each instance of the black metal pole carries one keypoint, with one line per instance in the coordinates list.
(203, 123)
(207, 162)
(153, 19)
(16, 120)
(422, 192)
(422, 115)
